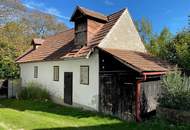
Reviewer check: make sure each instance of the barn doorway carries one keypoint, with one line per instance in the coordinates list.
(68, 87)
(117, 95)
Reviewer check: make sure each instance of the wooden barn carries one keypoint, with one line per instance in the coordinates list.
(99, 65)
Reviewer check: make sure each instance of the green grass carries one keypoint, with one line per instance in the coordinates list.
(36, 115)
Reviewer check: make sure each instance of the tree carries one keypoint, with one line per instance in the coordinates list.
(13, 42)
(144, 28)
(10, 10)
(43, 24)
(158, 44)
(18, 26)
(181, 49)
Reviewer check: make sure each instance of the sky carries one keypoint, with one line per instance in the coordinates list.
(161, 13)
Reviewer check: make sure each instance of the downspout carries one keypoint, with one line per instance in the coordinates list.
(138, 92)
(137, 98)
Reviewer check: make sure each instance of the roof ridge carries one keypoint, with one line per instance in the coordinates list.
(117, 12)
(122, 50)
(92, 10)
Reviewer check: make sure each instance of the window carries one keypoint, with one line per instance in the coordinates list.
(84, 75)
(56, 73)
(35, 71)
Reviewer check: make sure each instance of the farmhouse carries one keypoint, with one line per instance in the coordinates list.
(100, 65)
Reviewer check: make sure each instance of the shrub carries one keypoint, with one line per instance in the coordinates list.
(34, 90)
(176, 91)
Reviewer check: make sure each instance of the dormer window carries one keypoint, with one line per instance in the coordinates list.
(86, 24)
(81, 32)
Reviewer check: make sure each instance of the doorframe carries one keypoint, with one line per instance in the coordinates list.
(71, 89)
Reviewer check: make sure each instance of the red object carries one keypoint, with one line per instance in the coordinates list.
(137, 99)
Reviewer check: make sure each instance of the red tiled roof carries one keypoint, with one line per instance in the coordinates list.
(90, 13)
(139, 61)
(62, 46)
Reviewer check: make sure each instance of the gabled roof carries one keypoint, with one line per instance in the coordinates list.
(139, 61)
(61, 45)
(89, 13)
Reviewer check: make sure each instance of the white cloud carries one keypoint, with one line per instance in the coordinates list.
(42, 7)
(109, 2)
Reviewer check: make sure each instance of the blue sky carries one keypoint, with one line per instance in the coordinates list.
(161, 13)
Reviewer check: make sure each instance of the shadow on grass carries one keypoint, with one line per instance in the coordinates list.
(118, 126)
(48, 107)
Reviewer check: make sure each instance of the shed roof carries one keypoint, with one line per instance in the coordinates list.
(139, 61)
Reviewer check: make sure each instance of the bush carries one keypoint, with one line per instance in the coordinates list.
(176, 91)
(34, 91)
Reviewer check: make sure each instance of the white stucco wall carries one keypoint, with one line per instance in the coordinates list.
(123, 35)
(85, 95)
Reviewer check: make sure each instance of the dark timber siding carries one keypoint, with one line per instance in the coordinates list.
(117, 89)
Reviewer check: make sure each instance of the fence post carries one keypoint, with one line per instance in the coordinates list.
(10, 86)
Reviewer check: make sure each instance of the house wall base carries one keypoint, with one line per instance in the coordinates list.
(60, 101)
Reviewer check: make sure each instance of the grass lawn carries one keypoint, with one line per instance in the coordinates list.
(36, 115)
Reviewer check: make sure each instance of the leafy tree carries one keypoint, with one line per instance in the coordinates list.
(8, 68)
(144, 28)
(181, 49)
(43, 24)
(18, 26)
(158, 44)
(10, 10)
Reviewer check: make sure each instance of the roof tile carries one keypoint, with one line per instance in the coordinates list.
(142, 62)
(62, 46)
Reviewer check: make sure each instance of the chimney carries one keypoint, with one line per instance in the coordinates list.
(36, 42)
(87, 23)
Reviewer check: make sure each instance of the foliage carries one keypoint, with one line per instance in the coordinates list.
(10, 10)
(43, 24)
(18, 114)
(18, 26)
(144, 28)
(158, 44)
(175, 49)
(181, 49)
(34, 90)
(176, 91)
(155, 43)
(13, 42)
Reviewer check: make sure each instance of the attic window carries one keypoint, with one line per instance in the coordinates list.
(80, 32)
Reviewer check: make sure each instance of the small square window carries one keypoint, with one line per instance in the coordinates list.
(84, 75)
(56, 73)
(35, 71)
